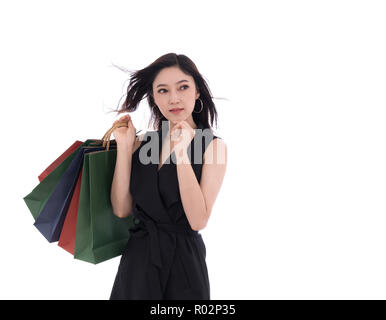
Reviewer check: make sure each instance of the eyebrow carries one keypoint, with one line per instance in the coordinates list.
(161, 84)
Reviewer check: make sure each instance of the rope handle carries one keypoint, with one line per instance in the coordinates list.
(107, 135)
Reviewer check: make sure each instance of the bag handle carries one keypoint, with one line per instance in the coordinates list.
(106, 137)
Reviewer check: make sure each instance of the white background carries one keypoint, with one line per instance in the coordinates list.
(301, 213)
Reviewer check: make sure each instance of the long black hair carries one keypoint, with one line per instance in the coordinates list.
(141, 86)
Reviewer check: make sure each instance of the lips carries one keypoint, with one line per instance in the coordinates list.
(175, 109)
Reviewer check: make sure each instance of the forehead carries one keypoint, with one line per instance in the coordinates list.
(170, 76)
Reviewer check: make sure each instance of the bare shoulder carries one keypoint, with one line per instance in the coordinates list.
(216, 152)
(138, 141)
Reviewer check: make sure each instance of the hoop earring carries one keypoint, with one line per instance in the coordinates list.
(202, 106)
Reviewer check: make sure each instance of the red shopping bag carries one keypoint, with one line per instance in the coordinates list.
(67, 236)
(59, 160)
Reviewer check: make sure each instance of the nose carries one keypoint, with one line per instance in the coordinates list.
(173, 98)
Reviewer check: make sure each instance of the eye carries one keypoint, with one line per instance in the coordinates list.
(159, 91)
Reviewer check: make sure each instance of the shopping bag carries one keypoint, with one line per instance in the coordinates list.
(59, 160)
(51, 218)
(100, 235)
(64, 241)
(67, 236)
(54, 200)
(37, 198)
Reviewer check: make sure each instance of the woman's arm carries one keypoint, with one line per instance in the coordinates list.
(198, 199)
(121, 199)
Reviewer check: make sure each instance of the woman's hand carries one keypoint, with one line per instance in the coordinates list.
(181, 135)
(125, 136)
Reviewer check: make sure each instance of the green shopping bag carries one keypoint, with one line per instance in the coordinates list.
(100, 235)
(38, 197)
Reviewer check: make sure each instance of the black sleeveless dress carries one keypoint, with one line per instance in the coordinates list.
(164, 257)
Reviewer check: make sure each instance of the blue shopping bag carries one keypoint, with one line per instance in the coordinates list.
(51, 218)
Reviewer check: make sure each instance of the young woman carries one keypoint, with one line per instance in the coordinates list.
(170, 198)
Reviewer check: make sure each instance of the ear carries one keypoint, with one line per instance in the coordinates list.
(197, 95)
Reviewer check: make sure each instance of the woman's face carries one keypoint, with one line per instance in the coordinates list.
(174, 89)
